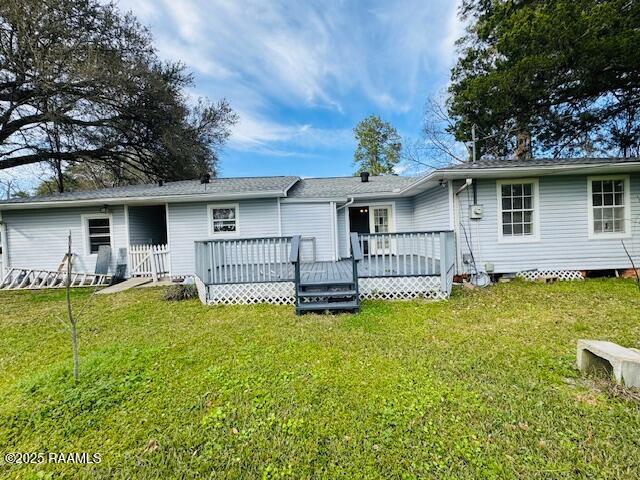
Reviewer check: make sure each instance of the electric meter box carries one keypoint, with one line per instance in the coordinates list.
(475, 212)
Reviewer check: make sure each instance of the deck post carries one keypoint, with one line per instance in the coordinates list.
(294, 257)
(443, 261)
(356, 256)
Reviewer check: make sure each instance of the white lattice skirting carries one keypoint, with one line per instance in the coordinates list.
(283, 293)
(534, 275)
(401, 288)
(279, 293)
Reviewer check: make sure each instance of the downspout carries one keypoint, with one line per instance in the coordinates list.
(456, 208)
(349, 202)
(467, 183)
(346, 226)
(479, 279)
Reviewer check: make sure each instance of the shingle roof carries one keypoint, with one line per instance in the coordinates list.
(538, 162)
(348, 186)
(332, 187)
(217, 186)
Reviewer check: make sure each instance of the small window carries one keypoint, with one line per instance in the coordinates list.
(608, 203)
(223, 219)
(518, 209)
(98, 233)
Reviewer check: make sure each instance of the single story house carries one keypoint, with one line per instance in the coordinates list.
(265, 238)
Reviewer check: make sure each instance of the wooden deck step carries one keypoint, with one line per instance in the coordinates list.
(327, 293)
(330, 295)
(328, 306)
(334, 283)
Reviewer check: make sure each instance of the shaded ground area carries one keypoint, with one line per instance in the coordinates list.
(480, 386)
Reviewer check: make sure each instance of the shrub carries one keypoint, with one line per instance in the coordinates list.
(181, 292)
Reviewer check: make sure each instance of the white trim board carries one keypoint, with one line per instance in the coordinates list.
(166, 210)
(4, 242)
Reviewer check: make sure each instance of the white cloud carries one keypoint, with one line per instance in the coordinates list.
(254, 133)
(454, 30)
(303, 55)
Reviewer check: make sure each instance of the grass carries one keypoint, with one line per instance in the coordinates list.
(481, 386)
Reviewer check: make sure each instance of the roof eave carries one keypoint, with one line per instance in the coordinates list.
(157, 199)
(507, 172)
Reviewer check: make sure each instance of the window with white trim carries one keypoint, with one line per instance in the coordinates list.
(517, 212)
(98, 233)
(223, 219)
(608, 200)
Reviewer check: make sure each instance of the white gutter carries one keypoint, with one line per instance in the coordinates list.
(456, 174)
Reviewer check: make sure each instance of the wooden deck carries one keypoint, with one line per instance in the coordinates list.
(340, 271)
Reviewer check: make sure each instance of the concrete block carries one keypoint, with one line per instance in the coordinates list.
(620, 362)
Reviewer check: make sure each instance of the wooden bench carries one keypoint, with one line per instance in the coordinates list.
(623, 363)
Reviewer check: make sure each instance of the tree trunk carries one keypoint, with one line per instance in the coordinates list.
(523, 148)
(57, 167)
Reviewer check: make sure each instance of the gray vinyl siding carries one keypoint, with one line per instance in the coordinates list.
(564, 230)
(431, 210)
(38, 238)
(147, 225)
(188, 222)
(404, 214)
(311, 220)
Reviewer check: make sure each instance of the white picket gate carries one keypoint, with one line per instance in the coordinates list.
(149, 261)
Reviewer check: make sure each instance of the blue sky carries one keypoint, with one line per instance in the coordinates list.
(301, 74)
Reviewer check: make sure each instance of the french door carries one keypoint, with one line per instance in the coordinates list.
(380, 222)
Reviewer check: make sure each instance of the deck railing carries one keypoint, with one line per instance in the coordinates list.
(406, 254)
(246, 260)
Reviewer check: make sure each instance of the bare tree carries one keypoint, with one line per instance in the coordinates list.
(10, 188)
(79, 81)
(437, 147)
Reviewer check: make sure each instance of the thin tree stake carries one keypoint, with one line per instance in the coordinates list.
(635, 270)
(72, 322)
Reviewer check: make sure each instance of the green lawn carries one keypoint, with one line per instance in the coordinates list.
(473, 387)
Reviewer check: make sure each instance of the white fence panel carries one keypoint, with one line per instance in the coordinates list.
(148, 260)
